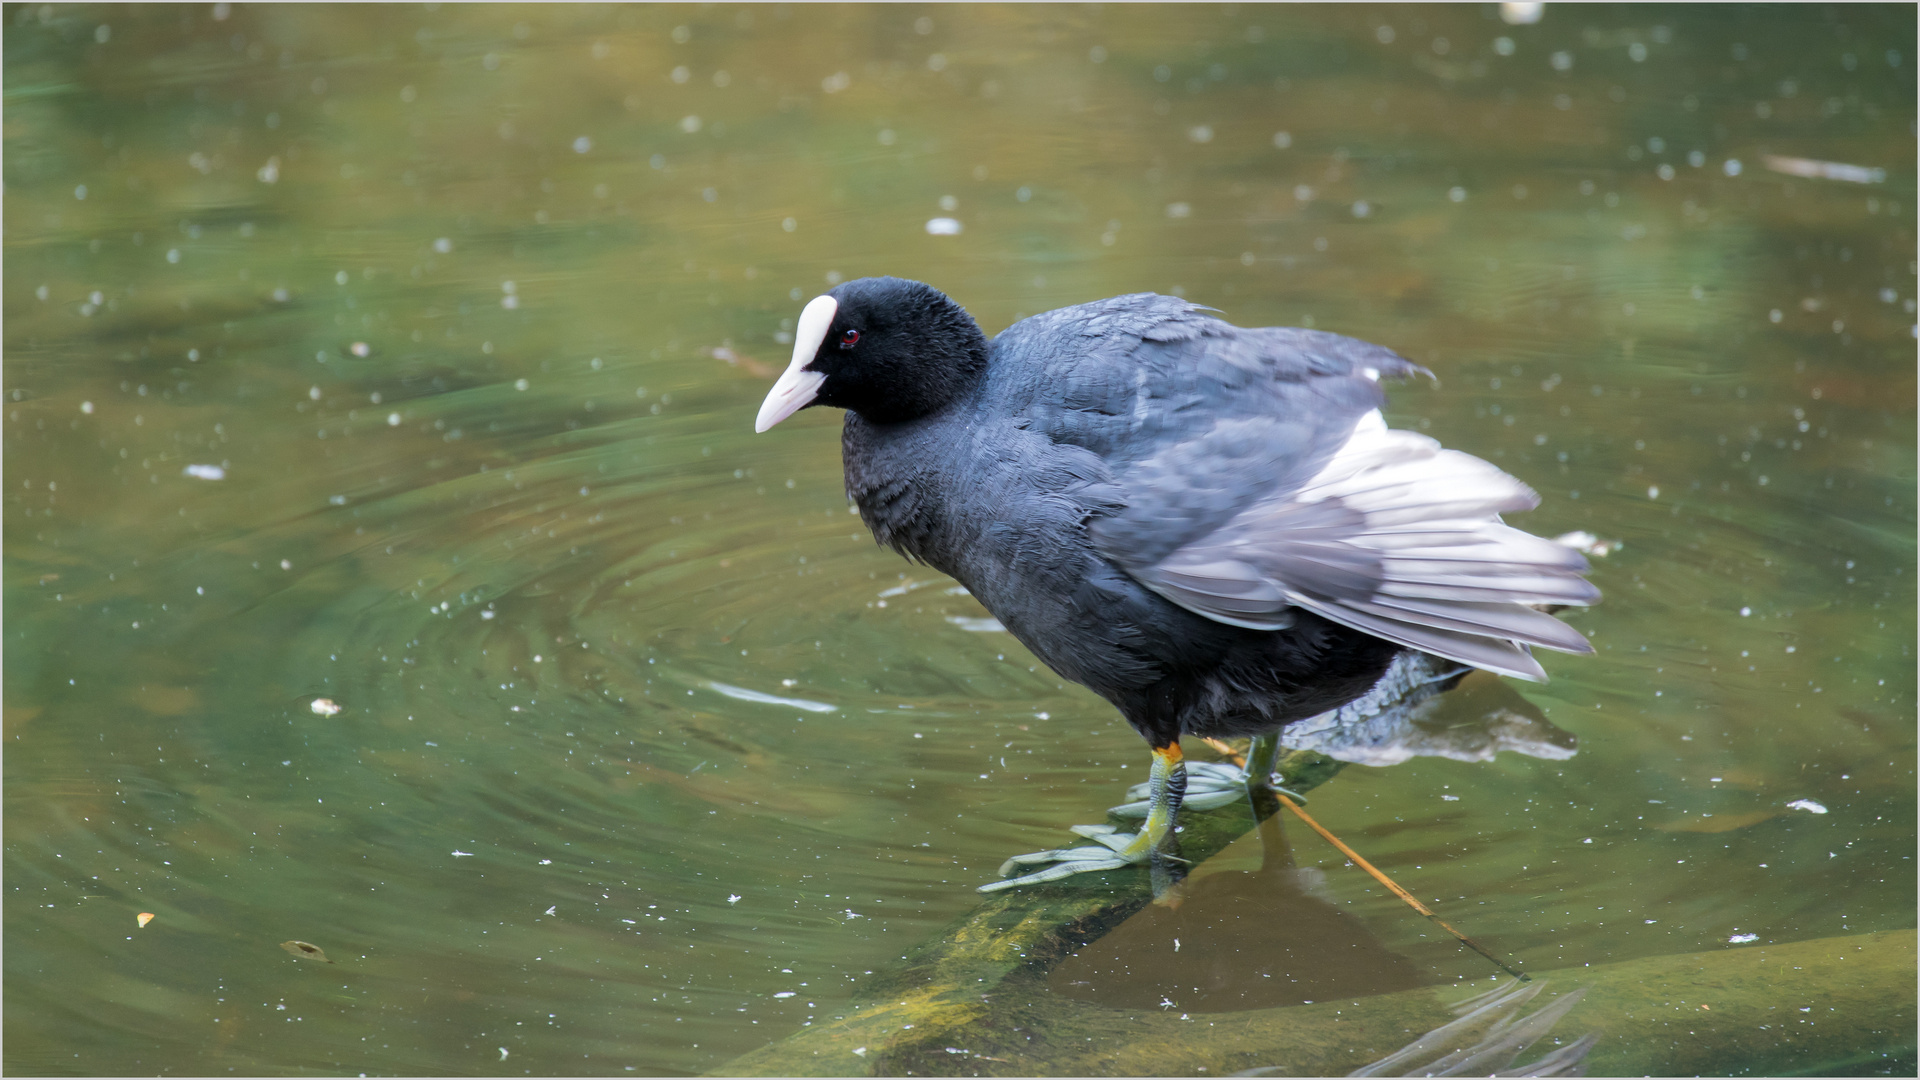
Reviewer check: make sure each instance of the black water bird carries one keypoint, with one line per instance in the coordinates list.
(1211, 527)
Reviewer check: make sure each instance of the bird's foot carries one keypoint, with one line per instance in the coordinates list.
(1117, 849)
(1210, 786)
(1153, 845)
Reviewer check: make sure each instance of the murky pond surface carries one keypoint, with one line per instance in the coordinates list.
(407, 358)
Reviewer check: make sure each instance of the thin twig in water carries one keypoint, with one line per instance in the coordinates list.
(1240, 760)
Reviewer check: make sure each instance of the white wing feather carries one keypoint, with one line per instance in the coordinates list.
(1400, 538)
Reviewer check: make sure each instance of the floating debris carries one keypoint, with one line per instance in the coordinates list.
(1808, 805)
(143, 918)
(325, 706)
(1586, 543)
(944, 226)
(742, 694)
(305, 951)
(1823, 170)
(1742, 939)
(751, 366)
(203, 472)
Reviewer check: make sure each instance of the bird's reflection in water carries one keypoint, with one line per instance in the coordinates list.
(1227, 940)
(1474, 716)
(1235, 939)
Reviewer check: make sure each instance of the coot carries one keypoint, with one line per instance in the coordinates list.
(1211, 527)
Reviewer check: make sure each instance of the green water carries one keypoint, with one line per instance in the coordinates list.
(438, 290)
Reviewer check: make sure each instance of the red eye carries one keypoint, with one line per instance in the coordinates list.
(849, 339)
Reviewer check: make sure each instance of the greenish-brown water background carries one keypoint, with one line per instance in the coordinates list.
(440, 290)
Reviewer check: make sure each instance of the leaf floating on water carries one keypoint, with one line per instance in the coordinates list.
(144, 918)
(305, 951)
(325, 706)
(1717, 823)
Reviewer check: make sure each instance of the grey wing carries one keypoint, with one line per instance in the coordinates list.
(1393, 536)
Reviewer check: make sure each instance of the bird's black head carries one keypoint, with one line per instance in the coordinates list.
(887, 348)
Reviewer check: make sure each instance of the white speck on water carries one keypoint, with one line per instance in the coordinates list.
(1200, 133)
(733, 898)
(503, 1053)
(1653, 492)
(173, 255)
(1362, 208)
(1732, 167)
(313, 393)
(198, 472)
(582, 144)
(1179, 210)
(1808, 805)
(521, 384)
(393, 419)
(1742, 939)
(463, 854)
(1457, 194)
(1745, 611)
(324, 707)
(1516, 13)
(784, 994)
(360, 348)
(553, 909)
(286, 564)
(1561, 61)
(1282, 140)
(944, 226)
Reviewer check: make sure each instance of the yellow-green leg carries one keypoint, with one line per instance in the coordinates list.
(1167, 786)
(1262, 754)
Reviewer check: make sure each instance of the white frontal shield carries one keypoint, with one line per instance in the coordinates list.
(797, 385)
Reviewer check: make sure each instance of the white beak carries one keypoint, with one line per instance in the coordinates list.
(797, 385)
